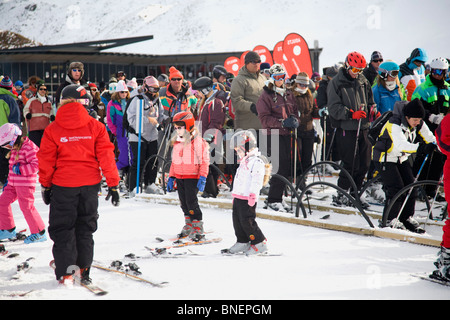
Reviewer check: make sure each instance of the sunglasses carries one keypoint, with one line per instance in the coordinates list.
(385, 73)
(42, 89)
(278, 76)
(76, 70)
(123, 91)
(255, 62)
(356, 70)
(175, 79)
(378, 60)
(438, 72)
(302, 85)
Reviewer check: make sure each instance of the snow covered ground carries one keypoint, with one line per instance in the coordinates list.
(315, 263)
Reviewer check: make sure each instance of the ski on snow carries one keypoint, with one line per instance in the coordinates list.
(23, 268)
(90, 286)
(129, 270)
(181, 244)
(432, 277)
(226, 252)
(177, 238)
(4, 252)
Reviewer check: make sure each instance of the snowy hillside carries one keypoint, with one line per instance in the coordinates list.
(394, 28)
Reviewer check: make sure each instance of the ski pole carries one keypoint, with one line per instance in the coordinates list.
(295, 155)
(434, 200)
(411, 189)
(138, 173)
(356, 144)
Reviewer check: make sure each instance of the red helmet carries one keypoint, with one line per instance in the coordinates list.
(356, 60)
(187, 118)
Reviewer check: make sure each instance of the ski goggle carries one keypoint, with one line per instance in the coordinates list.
(356, 70)
(385, 73)
(152, 89)
(438, 72)
(278, 76)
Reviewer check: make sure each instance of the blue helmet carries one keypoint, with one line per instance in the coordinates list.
(388, 68)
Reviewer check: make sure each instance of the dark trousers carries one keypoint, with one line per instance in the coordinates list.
(432, 170)
(395, 176)
(72, 223)
(285, 167)
(147, 150)
(187, 193)
(359, 164)
(244, 222)
(305, 149)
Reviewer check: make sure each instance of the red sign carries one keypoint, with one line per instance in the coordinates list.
(280, 58)
(233, 64)
(296, 51)
(264, 53)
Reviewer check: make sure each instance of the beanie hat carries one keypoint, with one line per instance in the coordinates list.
(252, 56)
(264, 66)
(121, 86)
(376, 55)
(76, 65)
(6, 83)
(92, 85)
(175, 73)
(18, 83)
(163, 78)
(302, 78)
(414, 109)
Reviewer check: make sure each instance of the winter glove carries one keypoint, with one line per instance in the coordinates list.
(28, 116)
(290, 122)
(323, 112)
(357, 115)
(201, 183)
(170, 184)
(253, 109)
(426, 148)
(251, 199)
(16, 169)
(114, 195)
(436, 118)
(46, 194)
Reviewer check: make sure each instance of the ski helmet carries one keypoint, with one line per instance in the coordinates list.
(203, 84)
(388, 68)
(8, 134)
(356, 60)
(439, 63)
(244, 140)
(78, 93)
(219, 71)
(187, 118)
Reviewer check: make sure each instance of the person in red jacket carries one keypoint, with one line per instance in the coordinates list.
(75, 152)
(442, 264)
(190, 166)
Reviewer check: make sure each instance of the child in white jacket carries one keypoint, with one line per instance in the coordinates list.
(248, 181)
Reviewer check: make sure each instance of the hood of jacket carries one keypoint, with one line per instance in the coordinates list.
(72, 116)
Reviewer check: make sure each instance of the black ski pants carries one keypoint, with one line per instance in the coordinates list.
(72, 223)
(395, 176)
(359, 162)
(187, 193)
(149, 175)
(244, 222)
(284, 162)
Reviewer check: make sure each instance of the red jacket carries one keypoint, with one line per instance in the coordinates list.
(74, 148)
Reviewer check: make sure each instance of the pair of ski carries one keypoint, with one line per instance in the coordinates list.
(7, 253)
(432, 277)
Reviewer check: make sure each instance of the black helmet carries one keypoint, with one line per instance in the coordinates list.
(219, 71)
(78, 93)
(203, 84)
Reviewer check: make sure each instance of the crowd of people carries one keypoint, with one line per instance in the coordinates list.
(257, 118)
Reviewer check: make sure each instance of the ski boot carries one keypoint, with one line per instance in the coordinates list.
(7, 234)
(36, 237)
(197, 233)
(238, 247)
(187, 228)
(443, 265)
(412, 225)
(257, 248)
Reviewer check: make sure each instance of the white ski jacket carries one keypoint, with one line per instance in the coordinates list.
(249, 176)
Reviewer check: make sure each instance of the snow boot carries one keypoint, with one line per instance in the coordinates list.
(7, 234)
(186, 228)
(258, 248)
(412, 225)
(153, 189)
(278, 206)
(443, 265)
(84, 276)
(67, 281)
(239, 247)
(395, 224)
(36, 237)
(197, 233)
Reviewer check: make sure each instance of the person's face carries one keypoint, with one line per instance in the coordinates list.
(175, 83)
(253, 67)
(180, 130)
(376, 63)
(354, 72)
(42, 90)
(222, 79)
(418, 63)
(438, 74)
(413, 122)
(76, 74)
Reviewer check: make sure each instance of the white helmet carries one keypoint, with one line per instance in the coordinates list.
(439, 63)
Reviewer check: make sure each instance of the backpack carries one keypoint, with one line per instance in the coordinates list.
(377, 125)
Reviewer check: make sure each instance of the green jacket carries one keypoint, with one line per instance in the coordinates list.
(9, 110)
(435, 100)
(246, 89)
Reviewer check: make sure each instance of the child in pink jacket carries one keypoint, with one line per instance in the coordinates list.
(21, 184)
(190, 165)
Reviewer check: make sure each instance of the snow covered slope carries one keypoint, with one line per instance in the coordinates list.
(394, 28)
